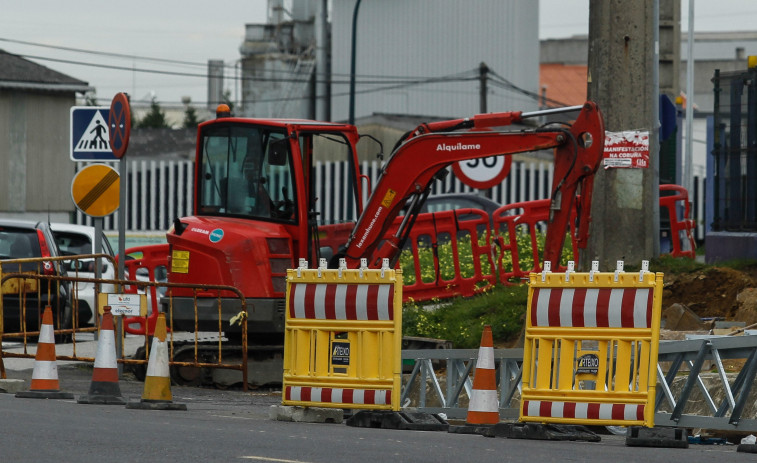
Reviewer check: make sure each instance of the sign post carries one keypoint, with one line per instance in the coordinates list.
(90, 141)
(94, 190)
(119, 123)
(102, 134)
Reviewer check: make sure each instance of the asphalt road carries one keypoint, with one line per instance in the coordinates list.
(233, 425)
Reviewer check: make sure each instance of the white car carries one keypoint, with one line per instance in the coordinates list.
(78, 240)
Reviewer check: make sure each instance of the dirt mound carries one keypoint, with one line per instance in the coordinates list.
(709, 293)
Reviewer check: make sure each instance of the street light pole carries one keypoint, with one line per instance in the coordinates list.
(352, 64)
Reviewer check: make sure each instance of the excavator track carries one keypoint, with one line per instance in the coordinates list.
(264, 365)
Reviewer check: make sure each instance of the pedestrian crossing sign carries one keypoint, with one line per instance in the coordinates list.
(89, 134)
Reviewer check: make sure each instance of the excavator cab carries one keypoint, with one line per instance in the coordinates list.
(246, 172)
(257, 211)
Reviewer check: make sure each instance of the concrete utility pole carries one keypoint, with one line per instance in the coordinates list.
(623, 81)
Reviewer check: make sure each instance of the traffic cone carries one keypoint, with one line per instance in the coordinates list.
(483, 408)
(45, 375)
(157, 392)
(104, 388)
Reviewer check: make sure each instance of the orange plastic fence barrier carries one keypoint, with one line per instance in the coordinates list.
(525, 217)
(465, 264)
(452, 253)
(154, 260)
(681, 231)
(436, 274)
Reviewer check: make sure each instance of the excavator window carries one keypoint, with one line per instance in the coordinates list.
(332, 154)
(246, 171)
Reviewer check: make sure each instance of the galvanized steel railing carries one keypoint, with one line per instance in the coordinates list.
(696, 387)
(454, 367)
(725, 394)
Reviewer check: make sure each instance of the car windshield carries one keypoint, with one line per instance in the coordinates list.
(447, 204)
(19, 243)
(246, 171)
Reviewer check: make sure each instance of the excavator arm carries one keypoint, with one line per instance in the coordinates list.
(433, 147)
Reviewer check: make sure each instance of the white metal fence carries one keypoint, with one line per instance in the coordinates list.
(156, 193)
(160, 191)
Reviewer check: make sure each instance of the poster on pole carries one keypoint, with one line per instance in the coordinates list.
(627, 149)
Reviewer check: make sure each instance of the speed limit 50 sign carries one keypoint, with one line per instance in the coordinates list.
(483, 173)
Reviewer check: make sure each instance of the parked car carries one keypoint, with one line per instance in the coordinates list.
(80, 240)
(456, 201)
(28, 239)
(451, 201)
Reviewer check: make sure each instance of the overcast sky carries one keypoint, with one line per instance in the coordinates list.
(191, 32)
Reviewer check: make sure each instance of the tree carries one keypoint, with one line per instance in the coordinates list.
(155, 119)
(227, 99)
(190, 118)
(90, 99)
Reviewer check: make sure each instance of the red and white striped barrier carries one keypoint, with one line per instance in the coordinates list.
(341, 301)
(343, 337)
(591, 307)
(591, 346)
(330, 395)
(584, 410)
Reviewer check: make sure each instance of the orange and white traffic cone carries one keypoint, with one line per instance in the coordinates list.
(157, 392)
(104, 388)
(45, 383)
(483, 408)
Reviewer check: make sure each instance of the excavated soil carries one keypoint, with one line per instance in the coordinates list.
(711, 292)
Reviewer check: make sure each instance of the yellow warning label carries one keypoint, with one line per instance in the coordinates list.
(180, 261)
(388, 198)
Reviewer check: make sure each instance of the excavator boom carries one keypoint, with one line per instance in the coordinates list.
(432, 147)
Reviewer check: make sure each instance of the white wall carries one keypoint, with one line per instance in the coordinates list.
(401, 40)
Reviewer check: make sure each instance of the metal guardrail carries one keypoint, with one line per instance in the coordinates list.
(695, 387)
(455, 367)
(725, 394)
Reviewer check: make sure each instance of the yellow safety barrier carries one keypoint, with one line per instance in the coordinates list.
(591, 347)
(343, 337)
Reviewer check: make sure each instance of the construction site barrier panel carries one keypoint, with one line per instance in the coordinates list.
(590, 354)
(343, 338)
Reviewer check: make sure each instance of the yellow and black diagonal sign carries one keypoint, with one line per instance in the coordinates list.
(95, 190)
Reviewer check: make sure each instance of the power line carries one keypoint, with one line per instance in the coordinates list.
(380, 78)
(374, 90)
(406, 81)
(398, 82)
(102, 53)
(506, 84)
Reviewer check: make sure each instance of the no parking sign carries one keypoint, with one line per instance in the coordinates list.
(119, 122)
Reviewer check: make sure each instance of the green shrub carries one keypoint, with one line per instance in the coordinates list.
(462, 320)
